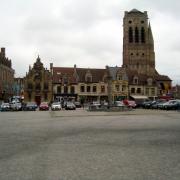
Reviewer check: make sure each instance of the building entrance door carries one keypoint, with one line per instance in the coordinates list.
(38, 100)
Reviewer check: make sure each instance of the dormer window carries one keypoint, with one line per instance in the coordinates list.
(119, 77)
(88, 77)
(65, 80)
(135, 80)
(105, 78)
(149, 81)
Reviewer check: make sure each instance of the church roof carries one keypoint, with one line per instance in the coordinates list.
(135, 11)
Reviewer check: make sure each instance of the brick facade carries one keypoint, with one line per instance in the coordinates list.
(6, 76)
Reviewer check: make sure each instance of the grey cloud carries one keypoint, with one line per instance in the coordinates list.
(85, 32)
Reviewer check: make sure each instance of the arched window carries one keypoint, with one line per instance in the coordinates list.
(135, 80)
(130, 35)
(142, 35)
(136, 35)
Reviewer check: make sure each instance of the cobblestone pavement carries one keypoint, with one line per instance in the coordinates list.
(75, 145)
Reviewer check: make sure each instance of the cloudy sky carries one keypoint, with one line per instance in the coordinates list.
(87, 33)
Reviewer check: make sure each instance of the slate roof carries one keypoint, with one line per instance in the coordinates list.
(97, 74)
(142, 78)
(60, 72)
(75, 75)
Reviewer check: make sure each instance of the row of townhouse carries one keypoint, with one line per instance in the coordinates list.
(72, 83)
(88, 84)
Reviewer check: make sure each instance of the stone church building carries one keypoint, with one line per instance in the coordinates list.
(139, 57)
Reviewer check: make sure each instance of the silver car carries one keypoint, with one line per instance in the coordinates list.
(56, 106)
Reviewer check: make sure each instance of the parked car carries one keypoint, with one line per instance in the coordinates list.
(5, 107)
(130, 103)
(70, 106)
(161, 105)
(94, 105)
(157, 103)
(15, 106)
(147, 104)
(44, 106)
(119, 103)
(30, 106)
(77, 104)
(56, 106)
(172, 105)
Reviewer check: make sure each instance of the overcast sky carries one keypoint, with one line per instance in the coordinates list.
(87, 33)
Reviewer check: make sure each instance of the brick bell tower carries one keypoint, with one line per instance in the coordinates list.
(138, 43)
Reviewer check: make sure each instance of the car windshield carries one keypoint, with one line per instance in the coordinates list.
(5, 104)
(44, 103)
(56, 103)
(70, 103)
(31, 103)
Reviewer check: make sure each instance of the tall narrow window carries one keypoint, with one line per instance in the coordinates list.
(88, 89)
(94, 89)
(132, 90)
(65, 89)
(136, 35)
(59, 89)
(82, 88)
(138, 90)
(142, 35)
(130, 35)
(102, 89)
(72, 90)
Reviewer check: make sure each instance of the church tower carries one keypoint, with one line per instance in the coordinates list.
(138, 43)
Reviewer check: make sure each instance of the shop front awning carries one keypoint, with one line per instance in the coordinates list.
(136, 97)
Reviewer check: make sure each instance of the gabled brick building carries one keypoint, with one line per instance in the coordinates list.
(6, 76)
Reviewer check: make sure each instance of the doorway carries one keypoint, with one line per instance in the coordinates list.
(38, 100)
